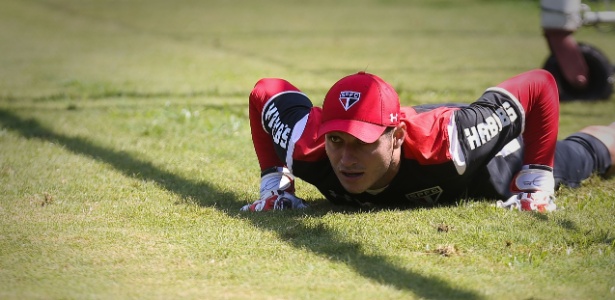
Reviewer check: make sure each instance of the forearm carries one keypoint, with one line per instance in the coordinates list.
(537, 92)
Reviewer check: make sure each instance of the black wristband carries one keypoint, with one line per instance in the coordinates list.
(271, 170)
(540, 167)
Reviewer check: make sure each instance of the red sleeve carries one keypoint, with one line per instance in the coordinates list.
(284, 124)
(427, 139)
(264, 90)
(537, 92)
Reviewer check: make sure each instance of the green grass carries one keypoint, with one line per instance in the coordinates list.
(125, 155)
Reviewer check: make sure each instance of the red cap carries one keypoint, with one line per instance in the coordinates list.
(362, 105)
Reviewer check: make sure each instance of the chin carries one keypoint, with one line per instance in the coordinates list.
(354, 189)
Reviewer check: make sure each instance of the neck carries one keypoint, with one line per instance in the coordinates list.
(391, 172)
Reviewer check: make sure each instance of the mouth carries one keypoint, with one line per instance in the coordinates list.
(352, 175)
(352, 181)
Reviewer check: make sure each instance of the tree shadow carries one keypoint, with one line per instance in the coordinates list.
(320, 240)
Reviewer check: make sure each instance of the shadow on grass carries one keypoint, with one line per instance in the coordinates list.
(319, 240)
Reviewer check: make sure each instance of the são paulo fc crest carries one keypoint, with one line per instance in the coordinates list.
(349, 98)
(427, 196)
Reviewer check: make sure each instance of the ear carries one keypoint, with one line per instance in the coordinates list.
(399, 134)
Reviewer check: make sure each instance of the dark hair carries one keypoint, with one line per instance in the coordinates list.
(389, 130)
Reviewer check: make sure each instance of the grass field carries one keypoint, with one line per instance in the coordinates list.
(125, 155)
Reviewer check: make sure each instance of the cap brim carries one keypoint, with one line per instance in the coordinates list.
(366, 132)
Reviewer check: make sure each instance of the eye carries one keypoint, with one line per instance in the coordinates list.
(334, 139)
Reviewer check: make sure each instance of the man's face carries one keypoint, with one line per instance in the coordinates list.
(360, 166)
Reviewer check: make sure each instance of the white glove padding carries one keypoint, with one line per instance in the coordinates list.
(277, 200)
(533, 201)
(279, 179)
(534, 178)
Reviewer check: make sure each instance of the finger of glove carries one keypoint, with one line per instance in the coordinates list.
(261, 205)
(295, 202)
(276, 202)
(511, 203)
(256, 206)
(537, 201)
(528, 205)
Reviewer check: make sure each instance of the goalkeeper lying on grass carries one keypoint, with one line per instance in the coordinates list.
(362, 148)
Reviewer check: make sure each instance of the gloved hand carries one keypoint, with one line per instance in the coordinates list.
(278, 200)
(276, 192)
(534, 189)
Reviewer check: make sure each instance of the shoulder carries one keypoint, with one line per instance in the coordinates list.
(427, 135)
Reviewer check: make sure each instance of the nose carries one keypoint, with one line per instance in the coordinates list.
(348, 157)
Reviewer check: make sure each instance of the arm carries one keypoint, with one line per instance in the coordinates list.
(525, 105)
(537, 92)
(275, 107)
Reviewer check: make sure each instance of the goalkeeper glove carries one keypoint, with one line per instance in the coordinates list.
(278, 200)
(534, 187)
(276, 192)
